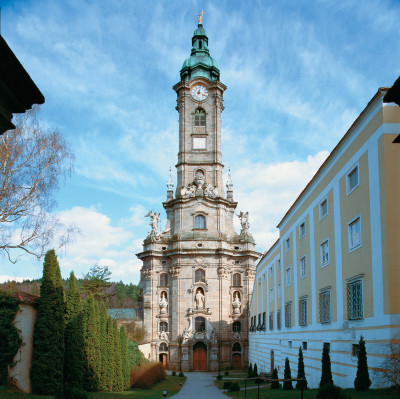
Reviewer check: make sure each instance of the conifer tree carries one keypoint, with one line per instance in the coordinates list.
(326, 376)
(250, 371)
(110, 372)
(362, 381)
(287, 385)
(300, 371)
(48, 336)
(104, 355)
(255, 370)
(275, 384)
(74, 340)
(92, 345)
(118, 384)
(124, 356)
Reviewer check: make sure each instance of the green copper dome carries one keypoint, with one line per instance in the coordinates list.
(200, 63)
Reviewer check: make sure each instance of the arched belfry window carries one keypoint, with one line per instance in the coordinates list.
(200, 275)
(163, 280)
(200, 324)
(200, 222)
(199, 117)
(164, 326)
(236, 280)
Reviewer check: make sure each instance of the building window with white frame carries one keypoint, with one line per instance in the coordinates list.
(302, 230)
(303, 267)
(352, 180)
(288, 314)
(323, 209)
(324, 253)
(287, 244)
(355, 234)
(279, 291)
(288, 276)
(303, 311)
(325, 306)
(355, 300)
(271, 294)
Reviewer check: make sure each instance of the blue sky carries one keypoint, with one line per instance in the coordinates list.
(298, 74)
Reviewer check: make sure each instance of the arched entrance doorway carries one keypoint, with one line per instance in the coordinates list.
(163, 357)
(199, 356)
(236, 356)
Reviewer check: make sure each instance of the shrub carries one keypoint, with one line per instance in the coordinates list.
(181, 374)
(219, 377)
(255, 371)
(174, 373)
(300, 372)
(275, 384)
(234, 387)
(250, 371)
(330, 391)
(362, 381)
(147, 375)
(72, 393)
(259, 380)
(287, 385)
(326, 375)
(226, 372)
(227, 384)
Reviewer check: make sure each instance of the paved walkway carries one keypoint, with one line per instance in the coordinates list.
(199, 385)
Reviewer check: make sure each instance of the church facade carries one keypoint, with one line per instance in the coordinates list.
(198, 273)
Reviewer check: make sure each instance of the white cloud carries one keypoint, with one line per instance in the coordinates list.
(268, 190)
(5, 278)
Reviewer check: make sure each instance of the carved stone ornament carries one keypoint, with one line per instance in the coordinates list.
(154, 235)
(163, 335)
(147, 274)
(236, 335)
(223, 272)
(210, 191)
(250, 272)
(236, 305)
(163, 304)
(175, 271)
(213, 337)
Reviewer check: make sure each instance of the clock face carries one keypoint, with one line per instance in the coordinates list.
(199, 92)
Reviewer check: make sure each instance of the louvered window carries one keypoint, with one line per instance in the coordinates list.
(199, 117)
(303, 311)
(288, 315)
(271, 321)
(278, 320)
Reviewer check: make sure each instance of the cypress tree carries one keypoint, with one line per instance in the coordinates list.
(48, 337)
(118, 384)
(287, 385)
(300, 371)
(74, 341)
(326, 376)
(104, 357)
(250, 371)
(275, 384)
(255, 370)
(124, 356)
(92, 345)
(362, 381)
(110, 370)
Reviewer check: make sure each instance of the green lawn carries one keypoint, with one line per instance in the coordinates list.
(170, 384)
(266, 393)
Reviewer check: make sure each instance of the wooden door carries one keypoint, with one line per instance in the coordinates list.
(200, 359)
(164, 360)
(237, 361)
(272, 361)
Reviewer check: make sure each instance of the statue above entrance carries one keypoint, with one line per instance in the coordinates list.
(199, 299)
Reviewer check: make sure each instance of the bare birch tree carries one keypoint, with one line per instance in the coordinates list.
(33, 161)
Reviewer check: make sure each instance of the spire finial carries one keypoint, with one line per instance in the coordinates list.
(200, 17)
(170, 184)
(229, 184)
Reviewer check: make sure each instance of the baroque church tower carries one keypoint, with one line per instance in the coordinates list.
(198, 274)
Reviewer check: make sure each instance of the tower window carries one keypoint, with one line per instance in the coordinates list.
(237, 326)
(236, 347)
(200, 44)
(163, 280)
(236, 280)
(199, 117)
(200, 324)
(200, 275)
(200, 222)
(164, 326)
(163, 347)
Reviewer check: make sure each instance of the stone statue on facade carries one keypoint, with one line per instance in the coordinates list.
(236, 304)
(199, 299)
(244, 221)
(154, 219)
(210, 191)
(163, 304)
(199, 178)
(213, 337)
